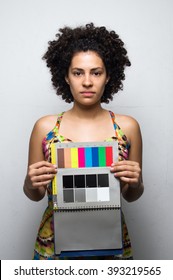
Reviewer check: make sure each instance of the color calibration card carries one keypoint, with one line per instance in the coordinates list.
(84, 178)
(86, 199)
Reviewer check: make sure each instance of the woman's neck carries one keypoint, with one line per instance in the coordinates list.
(84, 112)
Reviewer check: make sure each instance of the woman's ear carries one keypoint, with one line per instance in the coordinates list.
(66, 79)
(107, 80)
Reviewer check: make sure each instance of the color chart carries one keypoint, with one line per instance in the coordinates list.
(84, 178)
(86, 199)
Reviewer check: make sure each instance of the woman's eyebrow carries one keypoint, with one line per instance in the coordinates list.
(92, 69)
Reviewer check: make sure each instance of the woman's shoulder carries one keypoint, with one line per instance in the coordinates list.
(44, 124)
(126, 120)
(128, 124)
(46, 121)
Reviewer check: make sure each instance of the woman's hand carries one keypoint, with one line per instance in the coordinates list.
(38, 177)
(40, 174)
(128, 172)
(130, 176)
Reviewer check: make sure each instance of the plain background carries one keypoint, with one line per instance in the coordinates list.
(26, 94)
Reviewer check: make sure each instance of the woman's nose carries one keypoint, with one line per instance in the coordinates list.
(87, 80)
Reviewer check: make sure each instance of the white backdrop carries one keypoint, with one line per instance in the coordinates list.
(26, 94)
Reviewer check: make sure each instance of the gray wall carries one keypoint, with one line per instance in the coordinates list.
(26, 94)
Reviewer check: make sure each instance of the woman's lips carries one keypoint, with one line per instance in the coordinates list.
(88, 93)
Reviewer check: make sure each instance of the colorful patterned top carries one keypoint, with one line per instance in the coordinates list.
(44, 246)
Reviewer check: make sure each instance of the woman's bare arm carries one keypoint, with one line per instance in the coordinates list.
(39, 172)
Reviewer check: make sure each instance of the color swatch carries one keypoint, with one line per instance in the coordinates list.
(85, 188)
(83, 157)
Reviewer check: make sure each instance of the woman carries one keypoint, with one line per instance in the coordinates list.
(87, 65)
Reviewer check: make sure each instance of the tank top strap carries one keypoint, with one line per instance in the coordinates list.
(113, 120)
(51, 135)
(58, 122)
(55, 132)
(119, 134)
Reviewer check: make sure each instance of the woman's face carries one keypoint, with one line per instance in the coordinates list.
(87, 78)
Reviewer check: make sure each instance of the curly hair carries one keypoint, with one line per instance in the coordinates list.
(106, 44)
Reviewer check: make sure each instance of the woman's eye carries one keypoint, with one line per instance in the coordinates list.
(77, 73)
(97, 73)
